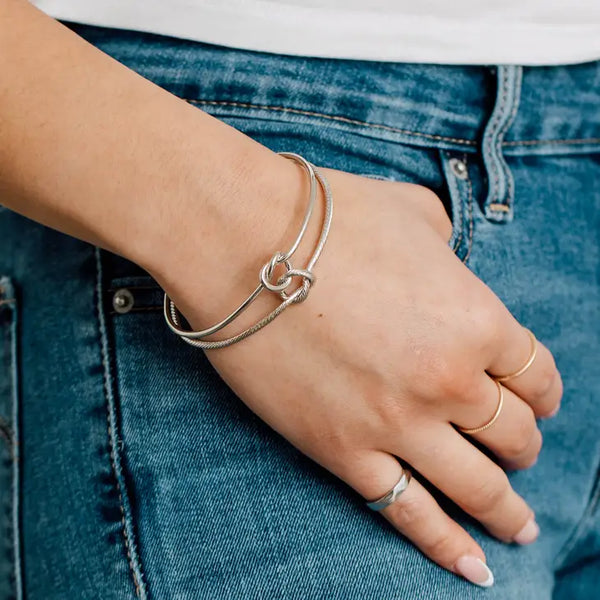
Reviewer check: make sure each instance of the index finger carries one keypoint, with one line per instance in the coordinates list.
(416, 514)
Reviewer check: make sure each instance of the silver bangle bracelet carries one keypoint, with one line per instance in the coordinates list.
(195, 338)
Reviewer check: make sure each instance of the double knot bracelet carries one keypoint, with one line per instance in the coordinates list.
(196, 338)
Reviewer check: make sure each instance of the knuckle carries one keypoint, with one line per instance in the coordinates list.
(407, 512)
(438, 375)
(334, 441)
(517, 448)
(451, 380)
(523, 433)
(537, 447)
(483, 317)
(548, 393)
(441, 548)
(447, 380)
(545, 383)
(474, 390)
(393, 412)
(488, 494)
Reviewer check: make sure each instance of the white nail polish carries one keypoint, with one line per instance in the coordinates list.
(474, 570)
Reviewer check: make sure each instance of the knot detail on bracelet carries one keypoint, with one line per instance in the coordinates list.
(284, 280)
(266, 274)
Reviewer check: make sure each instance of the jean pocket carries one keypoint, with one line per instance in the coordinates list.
(459, 190)
(10, 570)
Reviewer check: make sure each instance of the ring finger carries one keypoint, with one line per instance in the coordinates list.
(514, 435)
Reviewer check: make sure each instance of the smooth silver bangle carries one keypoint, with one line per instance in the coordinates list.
(195, 338)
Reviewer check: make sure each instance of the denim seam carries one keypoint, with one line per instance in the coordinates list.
(501, 183)
(310, 113)
(13, 434)
(458, 220)
(583, 522)
(16, 487)
(552, 141)
(455, 189)
(7, 434)
(114, 443)
(498, 137)
(460, 228)
(408, 132)
(470, 205)
(492, 134)
(515, 100)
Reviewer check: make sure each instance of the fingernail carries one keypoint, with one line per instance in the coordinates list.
(475, 570)
(528, 534)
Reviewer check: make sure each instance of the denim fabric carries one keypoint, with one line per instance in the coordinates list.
(140, 471)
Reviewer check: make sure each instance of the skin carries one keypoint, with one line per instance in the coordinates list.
(395, 345)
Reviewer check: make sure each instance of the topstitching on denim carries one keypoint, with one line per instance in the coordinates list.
(459, 201)
(10, 431)
(500, 179)
(338, 118)
(115, 454)
(7, 434)
(472, 144)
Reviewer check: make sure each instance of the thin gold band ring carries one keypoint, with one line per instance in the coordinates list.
(532, 355)
(494, 417)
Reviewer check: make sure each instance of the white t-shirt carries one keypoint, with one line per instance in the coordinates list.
(529, 32)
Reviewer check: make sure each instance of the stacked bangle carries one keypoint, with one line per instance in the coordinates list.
(196, 338)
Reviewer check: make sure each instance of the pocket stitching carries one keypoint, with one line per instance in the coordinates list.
(338, 118)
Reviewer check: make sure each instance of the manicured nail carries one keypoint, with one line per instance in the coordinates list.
(475, 570)
(528, 534)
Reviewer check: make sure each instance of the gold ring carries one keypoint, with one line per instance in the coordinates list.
(496, 414)
(529, 362)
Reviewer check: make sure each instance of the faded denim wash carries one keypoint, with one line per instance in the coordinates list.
(128, 468)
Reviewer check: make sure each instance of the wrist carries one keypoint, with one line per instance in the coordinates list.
(208, 258)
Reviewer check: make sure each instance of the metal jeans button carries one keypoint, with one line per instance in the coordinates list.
(122, 301)
(459, 168)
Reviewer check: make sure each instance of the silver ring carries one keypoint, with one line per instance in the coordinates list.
(393, 494)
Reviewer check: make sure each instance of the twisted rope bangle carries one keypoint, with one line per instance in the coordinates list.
(195, 338)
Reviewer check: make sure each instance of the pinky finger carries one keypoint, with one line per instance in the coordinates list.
(417, 515)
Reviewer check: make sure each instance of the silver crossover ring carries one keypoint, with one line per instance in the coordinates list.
(393, 494)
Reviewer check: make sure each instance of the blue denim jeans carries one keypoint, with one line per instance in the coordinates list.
(128, 466)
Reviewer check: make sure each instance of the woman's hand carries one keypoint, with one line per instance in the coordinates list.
(392, 349)
(393, 343)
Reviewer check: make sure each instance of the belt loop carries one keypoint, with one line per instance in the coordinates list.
(498, 205)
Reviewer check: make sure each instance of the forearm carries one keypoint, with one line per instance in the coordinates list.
(90, 148)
